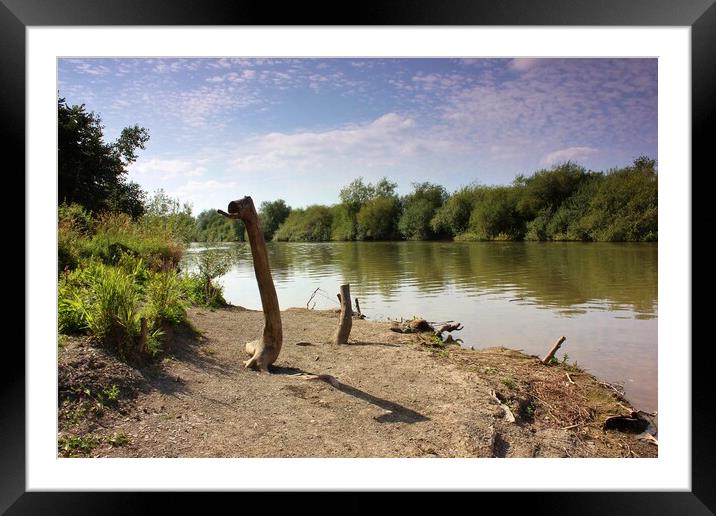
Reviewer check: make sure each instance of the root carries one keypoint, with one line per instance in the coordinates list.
(259, 356)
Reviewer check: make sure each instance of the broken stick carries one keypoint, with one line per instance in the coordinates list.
(345, 322)
(546, 360)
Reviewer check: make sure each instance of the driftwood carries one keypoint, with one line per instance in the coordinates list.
(357, 314)
(265, 350)
(547, 359)
(345, 322)
(509, 416)
(421, 325)
(449, 328)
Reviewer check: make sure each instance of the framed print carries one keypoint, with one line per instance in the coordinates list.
(420, 72)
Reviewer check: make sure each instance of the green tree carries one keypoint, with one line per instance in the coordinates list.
(545, 191)
(419, 207)
(127, 197)
(495, 215)
(171, 216)
(312, 224)
(453, 217)
(213, 227)
(92, 172)
(625, 206)
(377, 219)
(343, 224)
(271, 216)
(356, 194)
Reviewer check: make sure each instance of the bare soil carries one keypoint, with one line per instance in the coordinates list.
(395, 395)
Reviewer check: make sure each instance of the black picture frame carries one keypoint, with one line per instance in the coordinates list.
(17, 15)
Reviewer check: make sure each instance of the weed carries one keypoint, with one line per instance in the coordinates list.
(112, 394)
(529, 411)
(77, 444)
(441, 352)
(77, 415)
(509, 382)
(118, 439)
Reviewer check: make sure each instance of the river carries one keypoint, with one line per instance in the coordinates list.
(521, 295)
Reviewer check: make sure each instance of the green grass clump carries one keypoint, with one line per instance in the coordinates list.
(509, 382)
(76, 445)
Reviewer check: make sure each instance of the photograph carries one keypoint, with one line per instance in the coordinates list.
(357, 257)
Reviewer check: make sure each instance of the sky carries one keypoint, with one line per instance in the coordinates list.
(302, 129)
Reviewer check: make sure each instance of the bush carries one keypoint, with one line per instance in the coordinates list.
(343, 223)
(165, 298)
(112, 310)
(71, 307)
(210, 264)
(196, 292)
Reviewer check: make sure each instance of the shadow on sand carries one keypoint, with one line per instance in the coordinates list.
(397, 413)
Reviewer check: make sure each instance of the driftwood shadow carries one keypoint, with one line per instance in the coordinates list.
(397, 413)
(385, 344)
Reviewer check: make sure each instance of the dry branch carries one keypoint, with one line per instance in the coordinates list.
(547, 359)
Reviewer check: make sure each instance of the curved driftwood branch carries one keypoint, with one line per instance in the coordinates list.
(265, 350)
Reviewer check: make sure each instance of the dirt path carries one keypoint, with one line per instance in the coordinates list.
(395, 397)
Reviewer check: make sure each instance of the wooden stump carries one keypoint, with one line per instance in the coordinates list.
(345, 322)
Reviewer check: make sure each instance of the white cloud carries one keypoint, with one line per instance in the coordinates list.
(210, 185)
(167, 168)
(89, 69)
(389, 138)
(569, 104)
(569, 154)
(522, 64)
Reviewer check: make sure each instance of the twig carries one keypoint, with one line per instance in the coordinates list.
(612, 387)
(572, 426)
(309, 299)
(570, 379)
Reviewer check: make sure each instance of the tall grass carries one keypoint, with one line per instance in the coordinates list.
(113, 311)
(118, 280)
(111, 236)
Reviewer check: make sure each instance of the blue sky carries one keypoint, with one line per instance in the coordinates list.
(301, 129)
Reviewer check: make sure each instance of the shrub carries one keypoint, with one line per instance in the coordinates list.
(164, 298)
(113, 311)
(70, 308)
(210, 264)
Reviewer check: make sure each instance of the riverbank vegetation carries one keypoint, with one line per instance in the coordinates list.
(119, 251)
(566, 202)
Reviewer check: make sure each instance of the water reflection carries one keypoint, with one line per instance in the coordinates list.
(601, 276)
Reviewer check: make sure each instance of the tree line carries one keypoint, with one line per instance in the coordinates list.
(566, 202)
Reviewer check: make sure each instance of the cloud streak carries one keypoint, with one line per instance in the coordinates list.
(389, 138)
